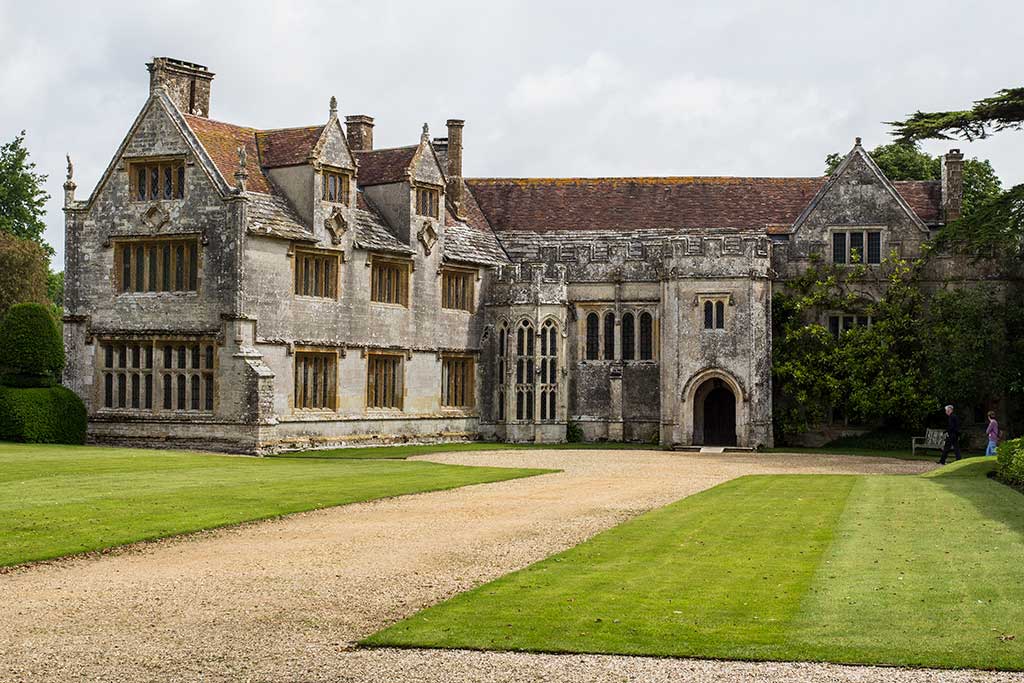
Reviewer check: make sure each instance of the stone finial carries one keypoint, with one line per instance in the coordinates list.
(334, 105)
(69, 184)
(241, 175)
(856, 141)
(425, 136)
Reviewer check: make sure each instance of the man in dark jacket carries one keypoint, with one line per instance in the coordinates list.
(952, 436)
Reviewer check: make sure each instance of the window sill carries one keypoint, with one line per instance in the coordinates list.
(314, 299)
(384, 304)
(457, 310)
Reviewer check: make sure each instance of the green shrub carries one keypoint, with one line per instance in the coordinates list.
(41, 415)
(878, 440)
(573, 432)
(31, 348)
(1010, 461)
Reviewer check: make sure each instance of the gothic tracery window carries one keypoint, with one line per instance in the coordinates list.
(609, 336)
(502, 369)
(628, 337)
(548, 371)
(525, 348)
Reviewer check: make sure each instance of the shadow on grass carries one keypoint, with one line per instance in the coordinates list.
(971, 479)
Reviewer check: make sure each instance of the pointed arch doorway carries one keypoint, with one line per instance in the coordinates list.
(714, 415)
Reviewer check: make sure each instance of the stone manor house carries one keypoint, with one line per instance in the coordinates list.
(260, 290)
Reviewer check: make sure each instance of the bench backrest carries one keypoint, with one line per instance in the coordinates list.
(934, 438)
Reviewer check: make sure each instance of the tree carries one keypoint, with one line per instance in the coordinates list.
(23, 272)
(906, 161)
(22, 197)
(997, 223)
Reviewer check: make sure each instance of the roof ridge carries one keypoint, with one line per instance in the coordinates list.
(567, 179)
(384, 149)
(278, 130)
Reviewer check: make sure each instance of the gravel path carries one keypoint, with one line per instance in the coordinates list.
(286, 600)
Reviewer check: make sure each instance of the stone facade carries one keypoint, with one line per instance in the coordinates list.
(303, 289)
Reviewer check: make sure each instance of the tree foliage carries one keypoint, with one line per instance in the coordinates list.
(996, 223)
(23, 272)
(22, 197)
(1002, 111)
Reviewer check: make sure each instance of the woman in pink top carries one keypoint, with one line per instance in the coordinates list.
(992, 433)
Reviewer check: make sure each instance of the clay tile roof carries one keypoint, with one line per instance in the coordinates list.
(674, 203)
(287, 146)
(383, 166)
(924, 197)
(221, 141)
(641, 203)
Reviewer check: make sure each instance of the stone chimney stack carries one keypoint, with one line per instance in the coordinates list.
(454, 158)
(359, 130)
(952, 185)
(187, 84)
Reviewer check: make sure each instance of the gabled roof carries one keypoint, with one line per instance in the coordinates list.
(924, 197)
(858, 152)
(371, 232)
(385, 166)
(287, 146)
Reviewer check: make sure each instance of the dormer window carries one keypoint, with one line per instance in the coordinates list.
(335, 187)
(428, 201)
(157, 179)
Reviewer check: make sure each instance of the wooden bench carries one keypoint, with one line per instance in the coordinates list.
(933, 439)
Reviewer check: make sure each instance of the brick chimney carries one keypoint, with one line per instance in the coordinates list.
(952, 185)
(359, 130)
(454, 162)
(187, 84)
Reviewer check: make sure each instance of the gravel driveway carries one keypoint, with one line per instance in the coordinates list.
(286, 600)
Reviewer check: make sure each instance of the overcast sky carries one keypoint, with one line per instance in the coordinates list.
(547, 88)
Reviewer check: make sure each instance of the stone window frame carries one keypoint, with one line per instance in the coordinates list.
(191, 364)
(178, 177)
(389, 399)
(596, 338)
(525, 364)
(404, 267)
(320, 256)
(502, 368)
(719, 303)
(864, 231)
(458, 379)
(428, 200)
(340, 175)
(313, 354)
(155, 269)
(840, 322)
(468, 296)
(547, 384)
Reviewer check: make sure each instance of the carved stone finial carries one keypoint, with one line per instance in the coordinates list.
(856, 141)
(334, 105)
(241, 175)
(69, 184)
(426, 133)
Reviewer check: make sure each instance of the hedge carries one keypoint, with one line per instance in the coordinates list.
(41, 415)
(31, 348)
(1010, 461)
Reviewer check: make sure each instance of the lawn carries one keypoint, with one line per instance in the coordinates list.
(922, 571)
(407, 451)
(60, 500)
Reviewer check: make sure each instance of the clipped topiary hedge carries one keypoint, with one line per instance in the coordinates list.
(31, 348)
(1010, 462)
(41, 415)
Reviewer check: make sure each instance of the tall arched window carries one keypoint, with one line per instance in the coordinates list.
(646, 336)
(720, 314)
(592, 338)
(502, 369)
(609, 336)
(524, 370)
(709, 315)
(548, 371)
(628, 339)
